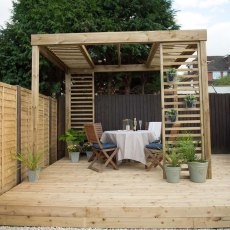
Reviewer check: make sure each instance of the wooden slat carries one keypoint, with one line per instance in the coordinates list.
(90, 200)
(53, 58)
(80, 111)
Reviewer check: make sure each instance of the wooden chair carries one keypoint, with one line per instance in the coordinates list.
(99, 131)
(105, 152)
(98, 128)
(153, 151)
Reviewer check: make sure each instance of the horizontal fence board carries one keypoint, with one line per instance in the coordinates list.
(16, 131)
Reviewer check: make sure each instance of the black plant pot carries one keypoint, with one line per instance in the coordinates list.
(172, 118)
(190, 104)
(171, 77)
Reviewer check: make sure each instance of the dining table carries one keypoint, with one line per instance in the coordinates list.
(131, 144)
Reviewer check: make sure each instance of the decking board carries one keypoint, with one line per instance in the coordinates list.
(70, 195)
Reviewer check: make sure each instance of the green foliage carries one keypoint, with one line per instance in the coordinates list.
(186, 146)
(222, 81)
(72, 135)
(30, 160)
(87, 147)
(74, 148)
(171, 113)
(190, 98)
(48, 16)
(171, 71)
(175, 156)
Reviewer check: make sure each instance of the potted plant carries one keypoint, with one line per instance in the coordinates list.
(190, 101)
(171, 115)
(173, 169)
(74, 138)
(87, 148)
(197, 166)
(31, 161)
(171, 75)
(74, 152)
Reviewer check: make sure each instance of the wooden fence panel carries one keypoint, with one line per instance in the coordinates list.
(16, 132)
(8, 141)
(110, 110)
(26, 126)
(220, 122)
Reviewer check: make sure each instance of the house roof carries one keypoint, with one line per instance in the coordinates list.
(217, 63)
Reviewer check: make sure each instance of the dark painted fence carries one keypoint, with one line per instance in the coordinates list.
(220, 122)
(110, 110)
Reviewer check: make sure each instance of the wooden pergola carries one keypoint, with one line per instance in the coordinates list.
(169, 49)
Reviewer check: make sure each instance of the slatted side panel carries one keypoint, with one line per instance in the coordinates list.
(8, 141)
(26, 125)
(53, 130)
(82, 100)
(185, 58)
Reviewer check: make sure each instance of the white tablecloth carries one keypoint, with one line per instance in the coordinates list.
(131, 144)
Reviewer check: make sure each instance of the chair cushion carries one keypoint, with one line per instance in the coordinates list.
(154, 146)
(105, 146)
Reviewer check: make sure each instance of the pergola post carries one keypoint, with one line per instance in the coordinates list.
(35, 96)
(206, 114)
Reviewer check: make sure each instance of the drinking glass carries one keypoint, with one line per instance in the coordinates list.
(140, 124)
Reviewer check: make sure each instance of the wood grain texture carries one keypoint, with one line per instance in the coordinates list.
(70, 195)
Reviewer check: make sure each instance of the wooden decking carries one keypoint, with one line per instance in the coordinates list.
(69, 194)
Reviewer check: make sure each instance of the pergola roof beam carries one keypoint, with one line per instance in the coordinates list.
(86, 55)
(141, 37)
(116, 68)
(152, 53)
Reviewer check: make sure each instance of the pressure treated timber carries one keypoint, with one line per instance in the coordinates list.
(70, 195)
(35, 96)
(119, 37)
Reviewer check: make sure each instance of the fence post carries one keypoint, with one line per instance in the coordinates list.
(50, 130)
(19, 110)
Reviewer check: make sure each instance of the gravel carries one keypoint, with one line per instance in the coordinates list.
(59, 228)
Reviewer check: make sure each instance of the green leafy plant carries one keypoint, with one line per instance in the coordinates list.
(188, 148)
(70, 135)
(175, 156)
(171, 71)
(74, 136)
(30, 160)
(74, 148)
(171, 115)
(190, 98)
(87, 147)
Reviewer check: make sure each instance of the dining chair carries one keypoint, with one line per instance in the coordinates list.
(153, 151)
(103, 152)
(99, 131)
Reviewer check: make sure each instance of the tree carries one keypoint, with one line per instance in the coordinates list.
(222, 81)
(48, 16)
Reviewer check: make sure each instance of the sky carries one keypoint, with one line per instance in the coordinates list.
(213, 15)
